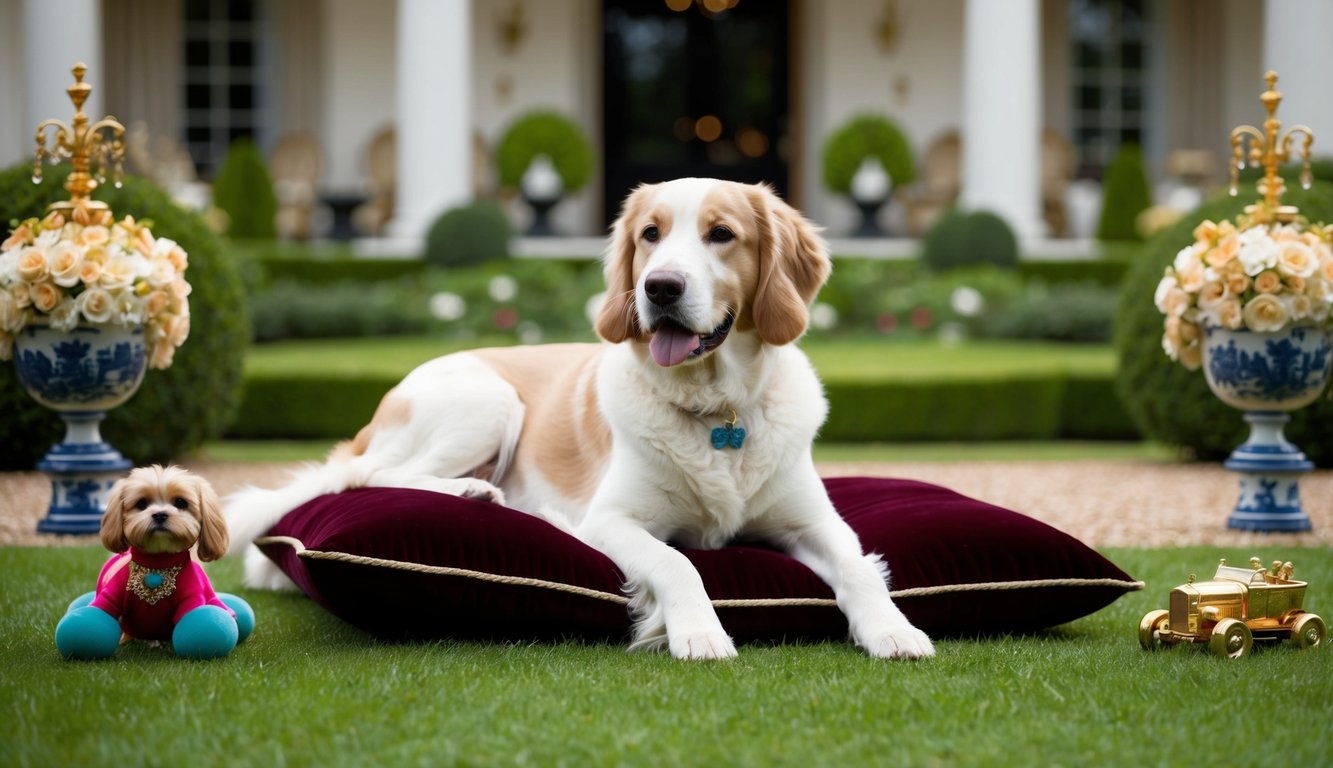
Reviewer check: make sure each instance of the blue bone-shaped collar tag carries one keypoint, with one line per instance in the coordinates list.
(728, 435)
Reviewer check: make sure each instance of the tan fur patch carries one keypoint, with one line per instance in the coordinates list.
(564, 434)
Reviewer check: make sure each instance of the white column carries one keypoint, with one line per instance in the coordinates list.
(434, 128)
(1296, 47)
(57, 34)
(1002, 112)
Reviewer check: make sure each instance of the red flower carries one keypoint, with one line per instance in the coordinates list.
(922, 319)
(506, 318)
(887, 322)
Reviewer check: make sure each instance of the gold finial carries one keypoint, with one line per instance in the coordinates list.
(101, 142)
(1266, 149)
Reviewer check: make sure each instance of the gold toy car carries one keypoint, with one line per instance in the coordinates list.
(1239, 606)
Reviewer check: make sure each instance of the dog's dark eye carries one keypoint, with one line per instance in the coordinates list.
(651, 234)
(181, 503)
(141, 504)
(720, 235)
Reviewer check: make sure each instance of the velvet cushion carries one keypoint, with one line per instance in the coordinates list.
(405, 564)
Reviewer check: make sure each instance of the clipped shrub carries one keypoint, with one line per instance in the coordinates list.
(1125, 194)
(468, 234)
(291, 309)
(867, 135)
(1072, 312)
(544, 132)
(963, 238)
(175, 410)
(244, 190)
(1171, 404)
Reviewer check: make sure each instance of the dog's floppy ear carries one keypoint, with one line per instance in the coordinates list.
(213, 536)
(113, 520)
(618, 319)
(793, 265)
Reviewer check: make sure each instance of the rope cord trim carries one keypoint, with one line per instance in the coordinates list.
(943, 589)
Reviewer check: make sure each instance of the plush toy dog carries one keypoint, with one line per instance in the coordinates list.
(152, 588)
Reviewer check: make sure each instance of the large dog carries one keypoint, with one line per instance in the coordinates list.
(692, 425)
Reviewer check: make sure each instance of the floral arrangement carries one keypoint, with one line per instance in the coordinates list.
(88, 268)
(1263, 276)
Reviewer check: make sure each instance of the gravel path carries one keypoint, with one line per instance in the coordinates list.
(1103, 503)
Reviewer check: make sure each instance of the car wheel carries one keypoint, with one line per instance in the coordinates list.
(1153, 621)
(1231, 638)
(1308, 631)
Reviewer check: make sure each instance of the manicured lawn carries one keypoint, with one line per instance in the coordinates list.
(309, 690)
(851, 359)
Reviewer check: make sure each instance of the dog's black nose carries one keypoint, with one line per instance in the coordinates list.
(159, 517)
(664, 288)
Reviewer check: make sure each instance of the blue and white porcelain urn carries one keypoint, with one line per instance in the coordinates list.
(1267, 375)
(80, 374)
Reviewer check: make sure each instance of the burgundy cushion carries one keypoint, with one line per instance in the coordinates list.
(415, 564)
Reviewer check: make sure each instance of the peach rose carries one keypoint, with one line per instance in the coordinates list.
(1296, 284)
(94, 236)
(1238, 283)
(22, 293)
(32, 265)
(1301, 306)
(20, 236)
(90, 271)
(1228, 314)
(161, 356)
(1206, 231)
(1265, 312)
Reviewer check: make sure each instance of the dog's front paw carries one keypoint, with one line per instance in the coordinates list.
(483, 491)
(702, 646)
(904, 642)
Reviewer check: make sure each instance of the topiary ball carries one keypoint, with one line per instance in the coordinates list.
(959, 239)
(468, 234)
(245, 615)
(549, 133)
(86, 632)
(207, 632)
(1173, 405)
(175, 410)
(863, 136)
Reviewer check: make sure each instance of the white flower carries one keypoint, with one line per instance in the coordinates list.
(1296, 259)
(502, 288)
(823, 316)
(65, 260)
(447, 306)
(967, 301)
(1257, 251)
(65, 316)
(1164, 287)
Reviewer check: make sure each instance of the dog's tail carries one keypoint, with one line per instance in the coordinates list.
(251, 511)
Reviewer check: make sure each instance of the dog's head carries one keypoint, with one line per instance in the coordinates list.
(694, 260)
(157, 509)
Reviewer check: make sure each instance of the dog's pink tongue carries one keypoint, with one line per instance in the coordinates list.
(671, 344)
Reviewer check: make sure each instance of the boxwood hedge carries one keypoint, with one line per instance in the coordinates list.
(1171, 404)
(177, 409)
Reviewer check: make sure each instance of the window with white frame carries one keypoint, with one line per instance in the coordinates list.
(1108, 78)
(224, 77)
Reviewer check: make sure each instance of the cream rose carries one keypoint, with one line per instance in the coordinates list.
(11, 314)
(94, 235)
(65, 261)
(1265, 312)
(90, 271)
(1228, 315)
(1238, 283)
(1296, 259)
(161, 356)
(118, 272)
(1268, 282)
(1213, 293)
(97, 305)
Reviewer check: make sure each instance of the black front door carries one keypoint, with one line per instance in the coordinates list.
(694, 92)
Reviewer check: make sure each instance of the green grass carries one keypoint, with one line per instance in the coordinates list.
(309, 690)
(852, 359)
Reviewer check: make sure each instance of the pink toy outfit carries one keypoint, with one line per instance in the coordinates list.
(150, 592)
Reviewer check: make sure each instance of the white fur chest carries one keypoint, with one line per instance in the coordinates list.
(682, 487)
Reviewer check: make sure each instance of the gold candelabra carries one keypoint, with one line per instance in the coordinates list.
(1270, 150)
(84, 144)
